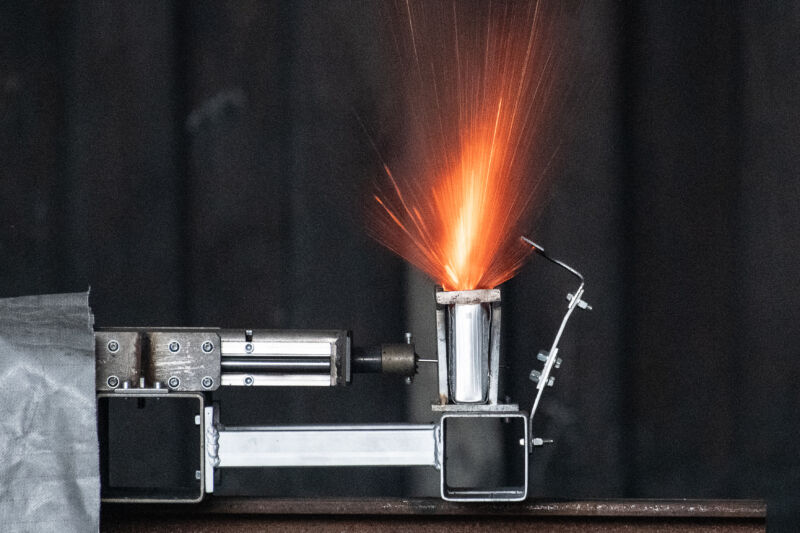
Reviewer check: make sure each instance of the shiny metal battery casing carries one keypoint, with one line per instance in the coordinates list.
(468, 330)
(468, 348)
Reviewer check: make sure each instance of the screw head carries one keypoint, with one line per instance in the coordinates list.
(113, 382)
(113, 346)
(248, 348)
(207, 382)
(207, 346)
(174, 382)
(174, 346)
(409, 380)
(248, 380)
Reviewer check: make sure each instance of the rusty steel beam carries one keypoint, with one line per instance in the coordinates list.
(420, 514)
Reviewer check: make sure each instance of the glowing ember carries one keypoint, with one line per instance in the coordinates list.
(478, 79)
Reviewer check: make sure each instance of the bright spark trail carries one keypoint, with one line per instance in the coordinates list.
(479, 87)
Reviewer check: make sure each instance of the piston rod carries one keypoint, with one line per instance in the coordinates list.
(276, 364)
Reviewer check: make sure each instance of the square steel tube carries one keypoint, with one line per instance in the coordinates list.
(486, 494)
(339, 445)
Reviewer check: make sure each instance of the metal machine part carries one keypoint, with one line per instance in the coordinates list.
(363, 445)
(181, 359)
(183, 364)
(152, 446)
(195, 447)
(514, 425)
(468, 352)
(290, 358)
(203, 359)
(117, 358)
(468, 335)
(550, 357)
(335, 445)
(397, 359)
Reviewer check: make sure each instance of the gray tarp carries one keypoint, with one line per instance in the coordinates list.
(49, 465)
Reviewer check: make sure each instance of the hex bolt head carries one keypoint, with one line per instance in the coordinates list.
(208, 346)
(113, 346)
(174, 346)
(174, 382)
(248, 347)
(248, 380)
(113, 382)
(207, 382)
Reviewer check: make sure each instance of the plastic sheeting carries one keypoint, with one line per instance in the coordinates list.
(49, 460)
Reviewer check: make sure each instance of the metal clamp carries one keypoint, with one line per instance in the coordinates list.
(543, 379)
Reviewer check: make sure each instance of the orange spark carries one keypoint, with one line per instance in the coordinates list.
(478, 80)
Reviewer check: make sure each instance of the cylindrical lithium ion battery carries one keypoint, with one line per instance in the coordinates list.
(468, 352)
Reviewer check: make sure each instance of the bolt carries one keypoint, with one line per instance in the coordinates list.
(248, 348)
(522, 442)
(248, 380)
(174, 382)
(409, 380)
(113, 381)
(207, 382)
(113, 346)
(208, 346)
(174, 346)
(409, 338)
(197, 474)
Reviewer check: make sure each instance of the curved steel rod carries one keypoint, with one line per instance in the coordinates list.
(574, 301)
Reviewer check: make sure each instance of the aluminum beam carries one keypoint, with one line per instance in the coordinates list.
(340, 445)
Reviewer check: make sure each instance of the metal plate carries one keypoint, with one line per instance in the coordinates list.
(118, 358)
(479, 296)
(185, 360)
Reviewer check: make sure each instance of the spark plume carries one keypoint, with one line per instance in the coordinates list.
(478, 82)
